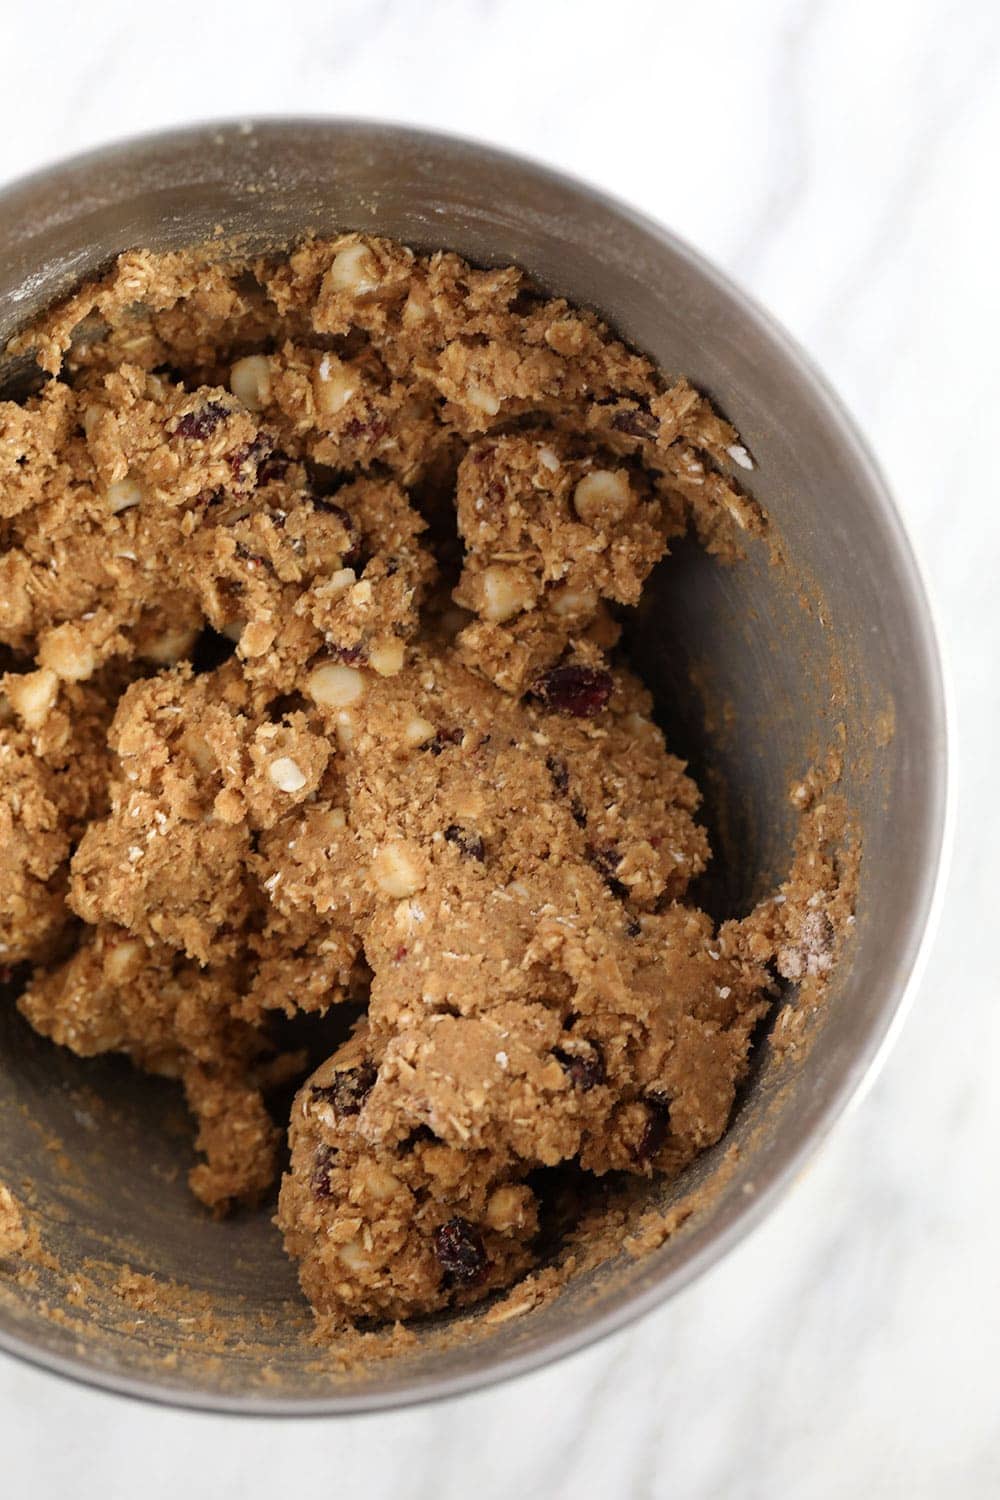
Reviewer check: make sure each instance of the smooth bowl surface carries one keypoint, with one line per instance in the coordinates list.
(753, 666)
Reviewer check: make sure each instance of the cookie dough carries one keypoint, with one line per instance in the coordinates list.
(309, 584)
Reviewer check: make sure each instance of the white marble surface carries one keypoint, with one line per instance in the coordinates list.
(840, 159)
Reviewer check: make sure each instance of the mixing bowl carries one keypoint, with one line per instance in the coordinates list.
(754, 667)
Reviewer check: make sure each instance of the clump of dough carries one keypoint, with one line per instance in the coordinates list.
(309, 583)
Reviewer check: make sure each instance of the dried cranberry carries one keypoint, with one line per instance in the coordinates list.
(579, 691)
(320, 1181)
(657, 1127)
(329, 508)
(584, 1073)
(245, 461)
(606, 861)
(203, 422)
(348, 654)
(459, 1247)
(348, 1090)
(466, 841)
(273, 466)
(442, 738)
(636, 422)
(372, 428)
(559, 771)
(253, 558)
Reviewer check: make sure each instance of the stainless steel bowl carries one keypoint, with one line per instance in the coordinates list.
(753, 666)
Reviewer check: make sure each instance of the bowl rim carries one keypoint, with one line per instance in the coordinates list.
(623, 1308)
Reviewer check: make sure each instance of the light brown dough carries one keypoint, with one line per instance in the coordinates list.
(308, 577)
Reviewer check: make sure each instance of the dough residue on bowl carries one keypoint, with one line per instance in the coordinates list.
(311, 581)
(13, 1234)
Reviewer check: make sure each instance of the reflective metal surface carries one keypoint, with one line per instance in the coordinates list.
(104, 1149)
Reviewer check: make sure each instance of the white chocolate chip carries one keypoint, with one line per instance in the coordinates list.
(123, 494)
(504, 594)
(508, 1208)
(482, 399)
(171, 645)
(199, 751)
(736, 510)
(739, 455)
(335, 685)
(332, 822)
(256, 638)
(335, 385)
(354, 269)
(338, 583)
(353, 1256)
(574, 602)
(381, 1184)
(417, 732)
(250, 381)
(33, 695)
(415, 310)
(286, 774)
(549, 458)
(387, 657)
(603, 497)
(396, 870)
(63, 653)
(124, 960)
(344, 729)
